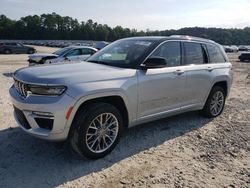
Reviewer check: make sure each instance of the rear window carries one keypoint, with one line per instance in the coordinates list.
(193, 53)
(87, 51)
(215, 54)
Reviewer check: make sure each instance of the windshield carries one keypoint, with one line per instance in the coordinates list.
(122, 53)
(62, 51)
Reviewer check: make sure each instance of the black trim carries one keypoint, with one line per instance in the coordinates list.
(206, 58)
(45, 123)
(21, 118)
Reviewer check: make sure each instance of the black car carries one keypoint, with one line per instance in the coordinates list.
(14, 47)
(244, 56)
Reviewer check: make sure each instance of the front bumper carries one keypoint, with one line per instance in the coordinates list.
(29, 110)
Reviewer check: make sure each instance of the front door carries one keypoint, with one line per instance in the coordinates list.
(162, 90)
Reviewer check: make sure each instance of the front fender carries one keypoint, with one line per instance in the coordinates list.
(86, 98)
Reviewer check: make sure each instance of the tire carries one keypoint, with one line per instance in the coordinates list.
(7, 51)
(30, 51)
(210, 107)
(86, 128)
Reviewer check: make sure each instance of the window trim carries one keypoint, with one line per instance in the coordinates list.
(138, 66)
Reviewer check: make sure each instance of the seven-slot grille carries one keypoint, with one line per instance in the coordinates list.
(21, 87)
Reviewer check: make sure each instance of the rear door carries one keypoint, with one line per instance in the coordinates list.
(20, 48)
(198, 72)
(16, 47)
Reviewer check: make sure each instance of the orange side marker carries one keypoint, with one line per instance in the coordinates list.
(69, 112)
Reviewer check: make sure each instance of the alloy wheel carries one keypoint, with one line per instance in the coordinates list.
(102, 132)
(217, 103)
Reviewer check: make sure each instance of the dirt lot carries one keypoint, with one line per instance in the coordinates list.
(182, 151)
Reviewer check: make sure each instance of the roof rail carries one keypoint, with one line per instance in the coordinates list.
(191, 38)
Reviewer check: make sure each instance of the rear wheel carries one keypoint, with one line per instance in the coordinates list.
(31, 51)
(215, 102)
(7, 51)
(97, 130)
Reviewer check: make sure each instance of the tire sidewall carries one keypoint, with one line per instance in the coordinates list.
(83, 125)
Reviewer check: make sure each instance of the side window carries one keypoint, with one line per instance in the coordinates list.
(215, 54)
(87, 51)
(193, 53)
(74, 53)
(171, 51)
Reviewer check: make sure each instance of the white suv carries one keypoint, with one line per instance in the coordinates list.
(129, 82)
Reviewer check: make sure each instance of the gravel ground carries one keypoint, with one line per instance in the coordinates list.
(182, 151)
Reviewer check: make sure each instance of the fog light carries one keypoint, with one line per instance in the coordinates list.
(46, 114)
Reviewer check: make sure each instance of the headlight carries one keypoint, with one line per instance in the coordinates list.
(47, 90)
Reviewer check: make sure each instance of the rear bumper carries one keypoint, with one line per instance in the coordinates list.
(42, 117)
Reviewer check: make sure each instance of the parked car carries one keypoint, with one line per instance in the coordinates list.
(14, 47)
(228, 49)
(129, 82)
(234, 48)
(243, 48)
(245, 56)
(101, 44)
(231, 49)
(72, 53)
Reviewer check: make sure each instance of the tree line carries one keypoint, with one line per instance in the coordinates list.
(56, 27)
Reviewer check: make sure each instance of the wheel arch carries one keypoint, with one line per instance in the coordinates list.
(119, 101)
(222, 84)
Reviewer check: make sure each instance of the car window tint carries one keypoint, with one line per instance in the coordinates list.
(74, 53)
(171, 51)
(215, 54)
(87, 51)
(193, 53)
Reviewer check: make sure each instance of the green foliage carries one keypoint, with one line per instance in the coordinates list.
(56, 27)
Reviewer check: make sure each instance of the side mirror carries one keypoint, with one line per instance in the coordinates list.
(154, 62)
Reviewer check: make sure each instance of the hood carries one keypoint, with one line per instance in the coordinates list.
(38, 57)
(71, 73)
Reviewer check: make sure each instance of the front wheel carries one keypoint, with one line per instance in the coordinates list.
(215, 102)
(97, 130)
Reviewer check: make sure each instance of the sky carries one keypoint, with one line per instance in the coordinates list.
(140, 14)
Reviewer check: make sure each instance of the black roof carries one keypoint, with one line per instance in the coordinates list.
(173, 37)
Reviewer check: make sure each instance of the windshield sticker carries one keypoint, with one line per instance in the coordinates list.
(143, 43)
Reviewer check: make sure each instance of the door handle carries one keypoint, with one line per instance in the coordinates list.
(179, 72)
(210, 69)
